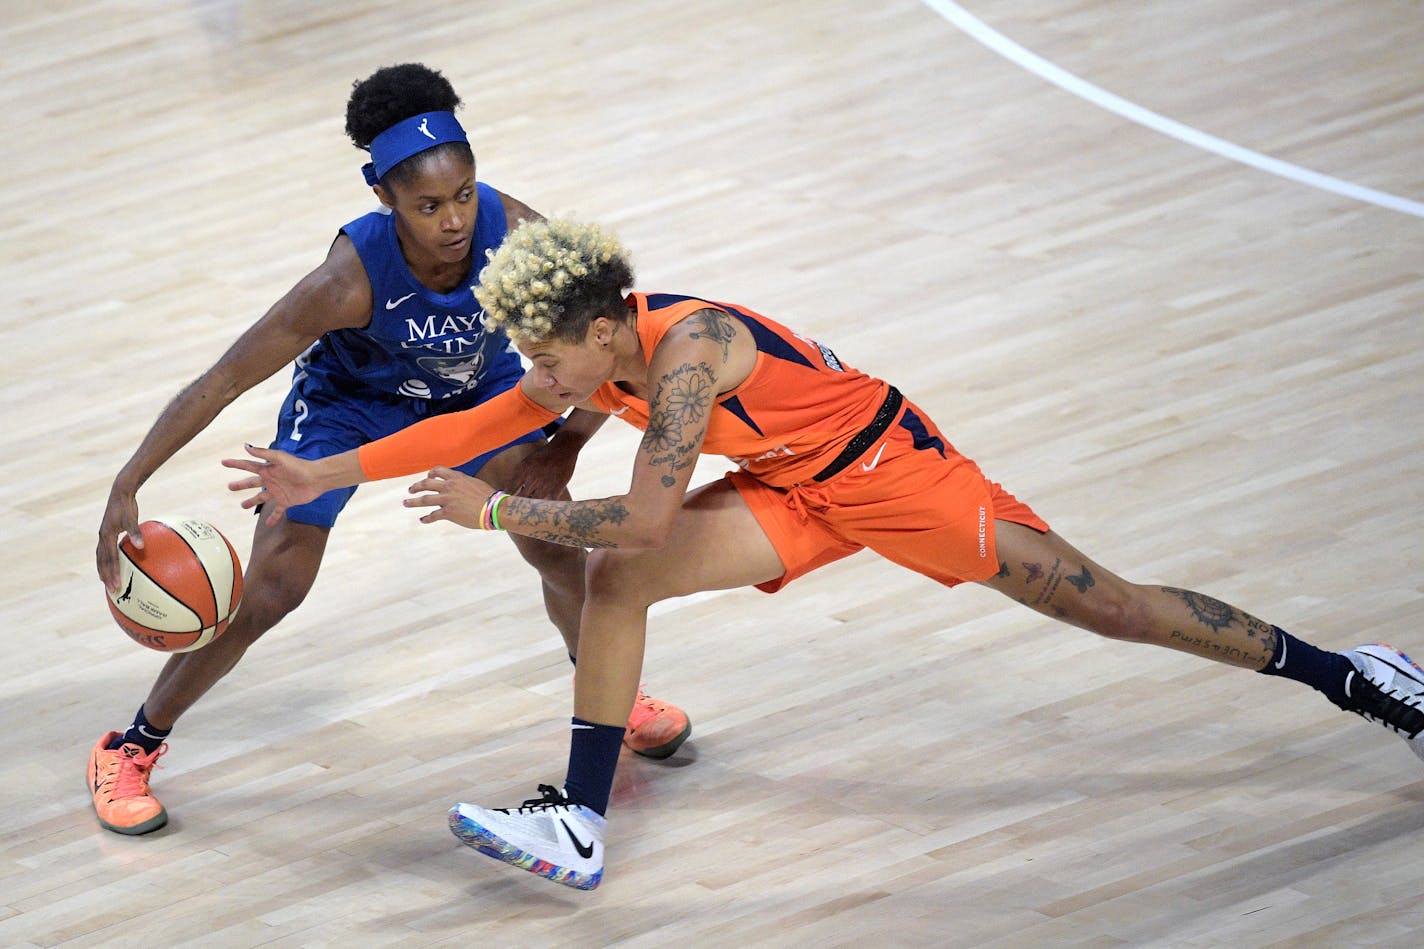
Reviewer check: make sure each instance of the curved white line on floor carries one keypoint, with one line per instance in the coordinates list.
(1041, 67)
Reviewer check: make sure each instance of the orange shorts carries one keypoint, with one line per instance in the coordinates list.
(910, 498)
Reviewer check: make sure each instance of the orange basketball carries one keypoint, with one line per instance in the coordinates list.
(181, 590)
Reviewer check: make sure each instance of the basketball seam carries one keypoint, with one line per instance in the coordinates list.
(202, 563)
(154, 580)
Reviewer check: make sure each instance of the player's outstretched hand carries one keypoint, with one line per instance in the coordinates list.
(120, 516)
(281, 480)
(456, 497)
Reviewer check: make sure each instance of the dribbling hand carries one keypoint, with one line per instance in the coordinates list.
(120, 517)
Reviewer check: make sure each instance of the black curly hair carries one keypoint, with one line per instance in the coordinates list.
(392, 94)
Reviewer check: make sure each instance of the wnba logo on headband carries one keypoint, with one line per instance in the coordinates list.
(410, 137)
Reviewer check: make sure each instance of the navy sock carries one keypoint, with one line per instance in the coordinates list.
(1299, 660)
(142, 733)
(593, 757)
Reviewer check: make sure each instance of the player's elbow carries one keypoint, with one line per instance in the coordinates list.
(218, 385)
(649, 533)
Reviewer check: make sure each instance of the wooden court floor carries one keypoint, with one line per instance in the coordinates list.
(1201, 373)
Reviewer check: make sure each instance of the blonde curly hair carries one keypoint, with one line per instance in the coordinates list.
(551, 278)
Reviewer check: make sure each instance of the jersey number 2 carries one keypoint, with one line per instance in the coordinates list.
(302, 412)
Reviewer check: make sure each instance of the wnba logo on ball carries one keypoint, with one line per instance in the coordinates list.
(181, 589)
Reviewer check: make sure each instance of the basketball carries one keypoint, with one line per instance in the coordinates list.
(181, 590)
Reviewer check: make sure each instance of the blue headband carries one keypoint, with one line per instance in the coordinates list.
(410, 137)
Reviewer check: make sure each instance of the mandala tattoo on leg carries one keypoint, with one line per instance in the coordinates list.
(1208, 611)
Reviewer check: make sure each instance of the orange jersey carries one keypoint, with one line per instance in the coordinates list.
(795, 412)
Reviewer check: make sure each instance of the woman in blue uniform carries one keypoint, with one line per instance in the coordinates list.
(383, 333)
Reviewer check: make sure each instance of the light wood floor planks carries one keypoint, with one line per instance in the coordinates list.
(1200, 373)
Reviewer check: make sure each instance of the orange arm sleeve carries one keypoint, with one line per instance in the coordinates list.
(455, 438)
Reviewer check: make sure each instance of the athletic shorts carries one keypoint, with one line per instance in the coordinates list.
(321, 417)
(910, 497)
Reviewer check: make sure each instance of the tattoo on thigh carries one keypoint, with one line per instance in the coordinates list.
(1209, 612)
(1003, 573)
(1082, 581)
(1050, 586)
(1035, 571)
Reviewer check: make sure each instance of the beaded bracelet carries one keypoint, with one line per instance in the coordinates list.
(489, 514)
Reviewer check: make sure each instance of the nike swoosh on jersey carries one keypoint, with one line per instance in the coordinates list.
(392, 304)
(876, 460)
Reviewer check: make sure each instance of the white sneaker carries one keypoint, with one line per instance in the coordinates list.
(1389, 690)
(545, 835)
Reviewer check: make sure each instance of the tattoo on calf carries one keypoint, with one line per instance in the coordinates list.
(1264, 632)
(1208, 647)
(1209, 612)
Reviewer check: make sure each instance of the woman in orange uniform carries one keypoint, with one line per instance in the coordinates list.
(830, 461)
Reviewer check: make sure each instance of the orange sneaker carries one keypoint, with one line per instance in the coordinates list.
(655, 728)
(118, 779)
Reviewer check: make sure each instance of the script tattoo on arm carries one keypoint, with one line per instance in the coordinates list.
(571, 523)
(681, 401)
(716, 326)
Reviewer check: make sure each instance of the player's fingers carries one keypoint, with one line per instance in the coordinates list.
(244, 464)
(108, 563)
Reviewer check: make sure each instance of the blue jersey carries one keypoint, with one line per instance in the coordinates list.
(422, 353)
(423, 345)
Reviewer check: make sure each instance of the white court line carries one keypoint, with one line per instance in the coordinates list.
(1065, 80)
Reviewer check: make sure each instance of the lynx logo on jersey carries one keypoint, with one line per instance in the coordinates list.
(452, 349)
(451, 333)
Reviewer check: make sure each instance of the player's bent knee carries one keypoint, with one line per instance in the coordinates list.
(1123, 614)
(551, 560)
(265, 604)
(625, 576)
